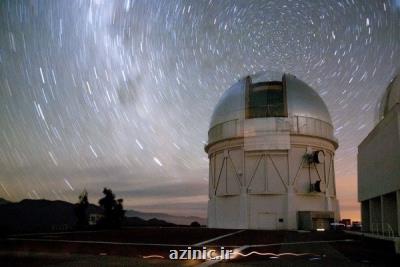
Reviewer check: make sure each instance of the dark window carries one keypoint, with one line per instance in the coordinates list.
(266, 99)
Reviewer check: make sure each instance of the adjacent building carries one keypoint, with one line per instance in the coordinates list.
(379, 168)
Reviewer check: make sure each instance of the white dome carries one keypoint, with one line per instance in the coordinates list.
(390, 98)
(302, 100)
(280, 97)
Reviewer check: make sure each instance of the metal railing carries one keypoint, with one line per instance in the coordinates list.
(295, 124)
(383, 229)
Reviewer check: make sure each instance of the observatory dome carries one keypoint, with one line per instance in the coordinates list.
(271, 156)
(299, 103)
(390, 98)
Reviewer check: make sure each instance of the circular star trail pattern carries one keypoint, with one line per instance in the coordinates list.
(119, 94)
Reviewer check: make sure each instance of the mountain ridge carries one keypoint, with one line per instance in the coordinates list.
(32, 215)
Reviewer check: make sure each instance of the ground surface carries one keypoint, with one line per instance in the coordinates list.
(129, 247)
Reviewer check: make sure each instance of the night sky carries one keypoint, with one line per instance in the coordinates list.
(119, 94)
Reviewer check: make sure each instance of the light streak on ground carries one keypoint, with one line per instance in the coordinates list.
(273, 254)
(153, 256)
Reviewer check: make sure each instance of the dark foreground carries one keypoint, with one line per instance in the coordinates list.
(129, 247)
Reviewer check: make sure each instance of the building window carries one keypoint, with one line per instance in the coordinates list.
(266, 99)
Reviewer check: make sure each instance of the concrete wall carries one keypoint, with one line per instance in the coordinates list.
(375, 212)
(227, 212)
(365, 216)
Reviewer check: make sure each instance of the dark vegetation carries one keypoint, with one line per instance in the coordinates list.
(81, 210)
(195, 224)
(114, 212)
(33, 216)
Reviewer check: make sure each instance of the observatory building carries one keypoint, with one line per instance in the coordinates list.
(379, 168)
(271, 152)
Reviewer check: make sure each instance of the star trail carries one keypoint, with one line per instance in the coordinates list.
(120, 93)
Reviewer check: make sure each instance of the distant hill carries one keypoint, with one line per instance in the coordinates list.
(136, 221)
(3, 201)
(181, 220)
(31, 215)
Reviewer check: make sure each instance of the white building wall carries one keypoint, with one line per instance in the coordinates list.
(379, 158)
(379, 175)
(264, 189)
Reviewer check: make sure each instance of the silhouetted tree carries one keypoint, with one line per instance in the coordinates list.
(107, 203)
(81, 209)
(114, 212)
(195, 224)
(119, 212)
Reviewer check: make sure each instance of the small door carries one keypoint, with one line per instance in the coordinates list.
(320, 223)
(266, 221)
